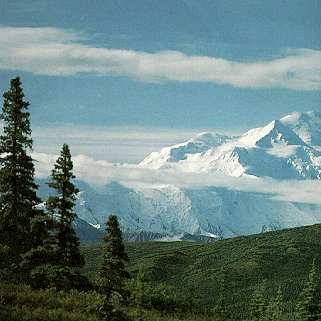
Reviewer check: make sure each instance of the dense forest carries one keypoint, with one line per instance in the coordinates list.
(46, 274)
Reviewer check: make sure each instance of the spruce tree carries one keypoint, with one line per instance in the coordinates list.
(274, 311)
(61, 207)
(112, 274)
(309, 308)
(112, 270)
(43, 254)
(18, 196)
(258, 304)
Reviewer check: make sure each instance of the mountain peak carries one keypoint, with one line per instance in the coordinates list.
(273, 133)
(210, 139)
(180, 152)
(280, 150)
(296, 117)
(306, 125)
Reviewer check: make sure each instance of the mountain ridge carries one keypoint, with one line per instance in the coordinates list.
(266, 144)
(277, 152)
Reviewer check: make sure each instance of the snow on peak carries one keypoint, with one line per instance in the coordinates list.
(273, 133)
(173, 154)
(210, 139)
(281, 150)
(306, 125)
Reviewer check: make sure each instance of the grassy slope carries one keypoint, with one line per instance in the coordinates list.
(282, 258)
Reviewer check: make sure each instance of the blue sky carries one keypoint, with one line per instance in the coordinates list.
(179, 66)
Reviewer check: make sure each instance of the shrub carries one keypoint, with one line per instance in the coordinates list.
(60, 278)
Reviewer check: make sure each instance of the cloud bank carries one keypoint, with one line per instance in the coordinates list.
(59, 52)
(124, 144)
(99, 173)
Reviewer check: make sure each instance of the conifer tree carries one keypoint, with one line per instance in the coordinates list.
(274, 311)
(258, 304)
(42, 254)
(61, 206)
(309, 308)
(142, 286)
(18, 196)
(112, 274)
(112, 270)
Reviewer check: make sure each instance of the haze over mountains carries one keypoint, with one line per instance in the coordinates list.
(214, 185)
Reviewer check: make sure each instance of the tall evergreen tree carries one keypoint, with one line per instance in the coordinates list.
(112, 270)
(61, 206)
(18, 196)
(309, 308)
(112, 274)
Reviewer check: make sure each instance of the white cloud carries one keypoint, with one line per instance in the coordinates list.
(113, 143)
(98, 173)
(58, 52)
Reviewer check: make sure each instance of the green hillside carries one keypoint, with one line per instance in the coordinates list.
(282, 258)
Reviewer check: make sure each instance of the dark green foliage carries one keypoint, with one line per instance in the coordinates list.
(5, 268)
(55, 263)
(17, 188)
(43, 256)
(112, 273)
(61, 206)
(112, 308)
(21, 303)
(138, 289)
(309, 307)
(274, 311)
(58, 277)
(280, 257)
(23, 228)
(258, 304)
(161, 297)
(220, 310)
(37, 257)
(43, 227)
(165, 298)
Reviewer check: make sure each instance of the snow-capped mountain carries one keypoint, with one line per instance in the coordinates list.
(208, 211)
(286, 150)
(179, 152)
(306, 125)
(282, 149)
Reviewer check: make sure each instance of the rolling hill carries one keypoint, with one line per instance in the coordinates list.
(282, 258)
